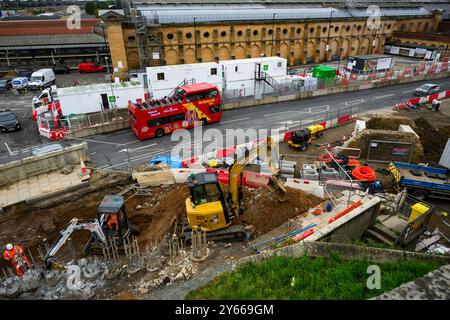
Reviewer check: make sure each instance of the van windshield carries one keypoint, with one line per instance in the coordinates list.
(36, 78)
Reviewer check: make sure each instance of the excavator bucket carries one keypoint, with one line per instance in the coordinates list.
(276, 186)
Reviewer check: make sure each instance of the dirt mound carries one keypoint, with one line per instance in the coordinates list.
(158, 213)
(432, 139)
(265, 212)
(388, 122)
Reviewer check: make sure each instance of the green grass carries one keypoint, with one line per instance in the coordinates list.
(315, 278)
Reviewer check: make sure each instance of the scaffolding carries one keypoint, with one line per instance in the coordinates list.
(147, 36)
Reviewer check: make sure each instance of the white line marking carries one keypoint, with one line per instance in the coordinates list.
(96, 141)
(284, 112)
(385, 96)
(92, 153)
(354, 102)
(235, 120)
(408, 91)
(146, 146)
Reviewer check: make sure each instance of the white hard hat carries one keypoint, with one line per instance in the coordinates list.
(9, 246)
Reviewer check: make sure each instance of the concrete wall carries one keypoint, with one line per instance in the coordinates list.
(33, 166)
(351, 226)
(345, 251)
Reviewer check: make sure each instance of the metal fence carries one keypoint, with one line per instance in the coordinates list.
(80, 121)
(345, 78)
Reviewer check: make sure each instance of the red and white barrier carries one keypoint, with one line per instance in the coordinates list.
(308, 186)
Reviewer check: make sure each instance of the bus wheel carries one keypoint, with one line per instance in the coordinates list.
(204, 122)
(159, 133)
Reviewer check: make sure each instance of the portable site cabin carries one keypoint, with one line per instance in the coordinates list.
(162, 80)
(243, 74)
(325, 74)
(98, 97)
(369, 63)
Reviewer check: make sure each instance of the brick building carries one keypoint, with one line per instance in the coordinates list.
(156, 32)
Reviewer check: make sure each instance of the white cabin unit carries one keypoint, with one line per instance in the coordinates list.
(246, 74)
(162, 80)
(98, 97)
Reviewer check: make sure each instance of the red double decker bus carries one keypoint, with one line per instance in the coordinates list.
(190, 103)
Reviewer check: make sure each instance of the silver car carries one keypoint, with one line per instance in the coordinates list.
(427, 89)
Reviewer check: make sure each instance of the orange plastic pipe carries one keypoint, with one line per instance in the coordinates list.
(345, 211)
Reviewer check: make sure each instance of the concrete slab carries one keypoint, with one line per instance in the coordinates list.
(37, 186)
(394, 223)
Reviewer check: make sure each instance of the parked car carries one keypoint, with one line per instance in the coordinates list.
(46, 149)
(87, 67)
(427, 89)
(5, 85)
(42, 79)
(8, 121)
(24, 72)
(61, 69)
(20, 83)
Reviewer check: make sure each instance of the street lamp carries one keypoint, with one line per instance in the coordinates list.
(327, 48)
(273, 31)
(195, 40)
(104, 37)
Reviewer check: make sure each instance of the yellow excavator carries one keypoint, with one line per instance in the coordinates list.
(207, 208)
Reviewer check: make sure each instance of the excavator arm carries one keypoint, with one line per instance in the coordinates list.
(237, 168)
(75, 224)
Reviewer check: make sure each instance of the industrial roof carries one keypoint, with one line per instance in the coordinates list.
(243, 61)
(51, 41)
(184, 66)
(166, 15)
(98, 87)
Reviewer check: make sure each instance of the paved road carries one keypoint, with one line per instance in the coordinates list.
(109, 151)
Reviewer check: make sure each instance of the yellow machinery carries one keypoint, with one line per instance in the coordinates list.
(207, 208)
(300, 139)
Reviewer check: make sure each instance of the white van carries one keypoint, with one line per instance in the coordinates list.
(42, 78)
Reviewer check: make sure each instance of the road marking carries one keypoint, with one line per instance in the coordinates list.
(92, 153)
(235, 120)
(385, 96)
(24, 114)
(325, 105)
(408, 91)
(354, 102)
(135, 149)
(96, 141)
(284, 112)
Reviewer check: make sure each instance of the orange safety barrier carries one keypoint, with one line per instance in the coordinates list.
(364, 173)
(345, 211)
(303, 235)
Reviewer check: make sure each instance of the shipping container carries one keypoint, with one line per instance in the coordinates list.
(369, 63)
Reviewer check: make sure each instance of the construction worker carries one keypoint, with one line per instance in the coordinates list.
(435, 105)
(111, 220)
(17, 256)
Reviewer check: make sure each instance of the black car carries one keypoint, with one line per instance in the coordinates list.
(24, 72)
(5, 85)
(8, 121)
(61, 69)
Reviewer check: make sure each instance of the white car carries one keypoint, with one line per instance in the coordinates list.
(20, 83)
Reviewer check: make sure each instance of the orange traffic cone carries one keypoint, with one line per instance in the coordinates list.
(84, 170)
